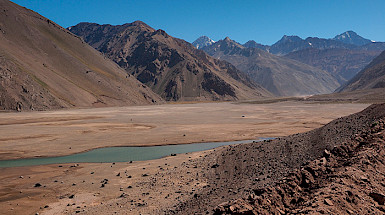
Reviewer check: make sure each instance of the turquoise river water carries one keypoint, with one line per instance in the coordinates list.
(120, 154)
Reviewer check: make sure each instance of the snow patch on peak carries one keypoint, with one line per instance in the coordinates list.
(203, 41)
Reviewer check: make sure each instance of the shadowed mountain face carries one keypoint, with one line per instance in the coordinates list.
(279, 75)
(343, 64)
(370, 78)
(44, 66)
(172, 67)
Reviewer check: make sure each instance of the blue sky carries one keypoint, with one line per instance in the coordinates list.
(264, 21)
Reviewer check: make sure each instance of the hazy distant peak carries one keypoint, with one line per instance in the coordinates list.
(253, 44)
(351, 37)
(293, 38)
(228, 39)
(203, 41)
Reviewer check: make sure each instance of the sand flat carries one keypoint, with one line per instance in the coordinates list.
(63, 132)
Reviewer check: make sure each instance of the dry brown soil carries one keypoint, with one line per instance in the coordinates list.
(155, 185)
(63, 132)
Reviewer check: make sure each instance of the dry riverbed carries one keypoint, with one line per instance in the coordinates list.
(63, 132)
(145, 187)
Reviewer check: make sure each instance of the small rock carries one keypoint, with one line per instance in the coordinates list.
(379, 198)
(364, 178)
(215, 165)
(326, 153)
(328, 202)
(123, 195)
(37, 185)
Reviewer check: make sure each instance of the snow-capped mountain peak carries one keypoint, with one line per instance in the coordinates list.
(203, 41)
(351, 37)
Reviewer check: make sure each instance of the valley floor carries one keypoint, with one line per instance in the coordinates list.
(154, 185)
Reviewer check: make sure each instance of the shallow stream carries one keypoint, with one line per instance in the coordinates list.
(120, 154)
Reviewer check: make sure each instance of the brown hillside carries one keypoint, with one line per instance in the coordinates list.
(44, 66)
(171, 67)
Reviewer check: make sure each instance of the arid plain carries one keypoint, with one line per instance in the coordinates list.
(63, 132)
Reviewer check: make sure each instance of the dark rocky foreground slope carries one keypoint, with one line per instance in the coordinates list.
(44, 66)
(336, 169)
(172, 67)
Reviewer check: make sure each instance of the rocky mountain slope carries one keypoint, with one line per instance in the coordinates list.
(372, 77)
(336, 169)
(171, 67)
(343, 64)
(202, 42)
(44, 66)
(281, 76)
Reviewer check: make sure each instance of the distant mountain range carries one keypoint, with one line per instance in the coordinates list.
(347, 40)
(342, 56)
(343, 64)
(171, 67)
(43, 66)
(281, 76)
